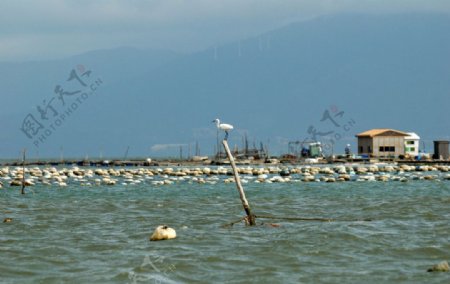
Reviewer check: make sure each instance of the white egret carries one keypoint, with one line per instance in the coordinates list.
(223, 126)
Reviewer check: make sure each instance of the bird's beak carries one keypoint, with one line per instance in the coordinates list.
(213, 121)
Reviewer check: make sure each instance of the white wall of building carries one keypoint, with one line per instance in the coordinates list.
(412, 144)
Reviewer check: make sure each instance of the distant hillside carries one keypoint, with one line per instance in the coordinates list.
(382, 71)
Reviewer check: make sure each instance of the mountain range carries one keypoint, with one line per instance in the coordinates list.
(328, 78)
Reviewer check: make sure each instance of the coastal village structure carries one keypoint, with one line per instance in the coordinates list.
(441, 150)
(387, 143)
(412, 144)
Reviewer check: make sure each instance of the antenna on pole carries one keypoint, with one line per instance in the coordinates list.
(189, 151)
(197, 149)
(126, 153)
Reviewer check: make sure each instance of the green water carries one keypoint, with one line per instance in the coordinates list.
(100, 234)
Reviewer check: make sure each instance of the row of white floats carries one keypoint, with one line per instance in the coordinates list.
(207, 175)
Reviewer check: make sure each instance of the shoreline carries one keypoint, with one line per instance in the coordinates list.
(190, 162)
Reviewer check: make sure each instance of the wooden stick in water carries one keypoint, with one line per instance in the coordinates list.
(250, 217)
(22, 191)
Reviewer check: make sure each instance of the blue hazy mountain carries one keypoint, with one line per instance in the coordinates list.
(354, 72)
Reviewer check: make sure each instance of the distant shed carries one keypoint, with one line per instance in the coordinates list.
(441, 150)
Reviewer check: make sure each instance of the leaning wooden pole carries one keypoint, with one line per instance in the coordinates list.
(250, 217)
(22, 191)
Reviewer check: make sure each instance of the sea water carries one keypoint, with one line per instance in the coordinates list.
(100, 234)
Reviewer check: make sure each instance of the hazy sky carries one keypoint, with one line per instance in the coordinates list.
(42, 29)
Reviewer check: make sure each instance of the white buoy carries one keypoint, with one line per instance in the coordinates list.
(163, 233)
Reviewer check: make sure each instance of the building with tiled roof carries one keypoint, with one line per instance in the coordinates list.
(382, 142)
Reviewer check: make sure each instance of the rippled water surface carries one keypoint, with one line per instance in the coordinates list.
(100, 234)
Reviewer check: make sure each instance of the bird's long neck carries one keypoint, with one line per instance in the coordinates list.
(217, 122)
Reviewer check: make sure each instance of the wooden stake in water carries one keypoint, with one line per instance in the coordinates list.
(22, 191)
(250, 217)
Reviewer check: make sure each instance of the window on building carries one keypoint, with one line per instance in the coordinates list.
(369, 149)
(381, 149)
(412, 149)
(391, 149)
(409, 142)
(361, 149)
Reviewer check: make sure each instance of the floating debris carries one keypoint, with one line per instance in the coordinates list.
(440, 267)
